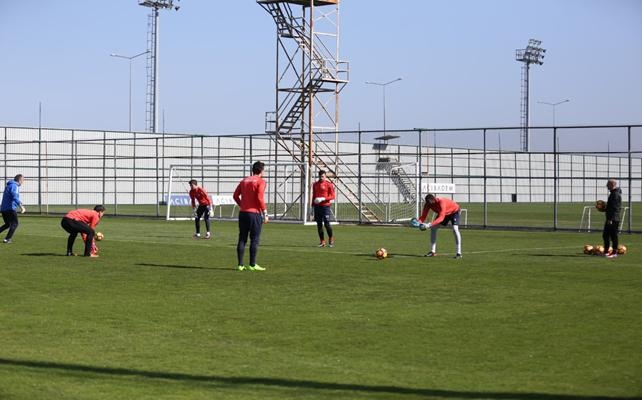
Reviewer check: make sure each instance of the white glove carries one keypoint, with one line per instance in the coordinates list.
(423, 227)
(266, 218)
(210, 211)
(319, 200)
(194, 211)
(22, 209)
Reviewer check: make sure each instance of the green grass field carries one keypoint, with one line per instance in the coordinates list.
(525, 315)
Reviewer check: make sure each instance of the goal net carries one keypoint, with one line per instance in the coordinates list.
(285, 192)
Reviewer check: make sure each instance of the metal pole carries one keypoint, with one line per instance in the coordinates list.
(39, 157)
(157, 179)
(555, 177)
(485, 185)
(359, 179)
(630, 179)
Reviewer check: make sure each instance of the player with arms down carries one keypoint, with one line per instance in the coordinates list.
(322, 195)
(250, 197)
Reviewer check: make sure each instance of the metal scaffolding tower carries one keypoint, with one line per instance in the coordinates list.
(532, 54)
(151, 114)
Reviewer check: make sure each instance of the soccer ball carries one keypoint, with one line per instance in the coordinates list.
(381, 253)
(588, 249)
(99, 236)
(621, 249)
(598, 250)
(600, 205)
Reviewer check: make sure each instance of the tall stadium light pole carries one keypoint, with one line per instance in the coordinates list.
(152, 67)
(554, 105)
(532, 54)
(130, 80)
(383, 87)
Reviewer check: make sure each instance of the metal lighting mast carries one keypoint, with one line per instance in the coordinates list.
(532, 54)
(151, 115)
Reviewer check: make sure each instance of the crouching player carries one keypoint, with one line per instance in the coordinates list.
(82, 221)
(203, 210)
(447, 211)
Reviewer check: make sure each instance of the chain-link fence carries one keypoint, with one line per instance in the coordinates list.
(375, 172)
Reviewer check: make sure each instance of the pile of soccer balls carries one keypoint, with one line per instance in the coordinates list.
(381, 253)
(598, 249)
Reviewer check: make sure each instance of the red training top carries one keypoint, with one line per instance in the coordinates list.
(442, 207)
(90, 217)
(249, 194)
(200, 195)
(323, 189)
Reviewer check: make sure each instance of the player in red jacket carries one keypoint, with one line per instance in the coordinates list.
(447, 211)
(203, 210)
(322, 195)
(82, 221)
(250, 197)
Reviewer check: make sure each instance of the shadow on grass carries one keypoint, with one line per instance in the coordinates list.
(44, 254)
(183, 266)
(552, 255)
(297, 383)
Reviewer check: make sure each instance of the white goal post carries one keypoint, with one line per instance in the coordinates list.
(286, 193)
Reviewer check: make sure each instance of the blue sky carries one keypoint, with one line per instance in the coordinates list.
(456, 58)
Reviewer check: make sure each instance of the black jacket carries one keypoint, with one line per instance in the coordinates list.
(613, 205)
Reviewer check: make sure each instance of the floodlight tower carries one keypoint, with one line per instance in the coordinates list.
(532, 54)
(151, 115)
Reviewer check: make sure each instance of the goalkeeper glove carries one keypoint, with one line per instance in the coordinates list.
(319, 200)
(210, 211)
(194, 211)
(423, 227)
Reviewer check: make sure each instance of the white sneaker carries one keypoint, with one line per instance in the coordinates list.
(197, 236)
(208, 235)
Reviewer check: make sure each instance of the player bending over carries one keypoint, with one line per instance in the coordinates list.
(82, 221)
(447, 211)
(322, 195)
(203, 210)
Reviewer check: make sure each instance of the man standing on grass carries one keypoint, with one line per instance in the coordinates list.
(447, 211)
(199, 194)
(612, 224)
(10, 203)
(249, 195)
(82, 221)
(322, 195)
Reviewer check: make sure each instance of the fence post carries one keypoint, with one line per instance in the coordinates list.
(105, 166)
(359, 180)
(134, 173)
(157, 192)
(485, 185)
(39, 169)
(555, 177)
(630, 179)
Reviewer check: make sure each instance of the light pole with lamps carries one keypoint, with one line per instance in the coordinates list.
(130, 80)
(554, 105)
(383, 86)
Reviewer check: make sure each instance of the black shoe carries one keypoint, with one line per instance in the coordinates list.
(71, 254)
(458, 256)
(431, 254)
(7, 241)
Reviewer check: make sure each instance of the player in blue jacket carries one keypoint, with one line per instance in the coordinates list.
(10, 203)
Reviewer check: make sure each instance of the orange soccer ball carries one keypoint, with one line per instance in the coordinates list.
(598, 250)
(600, 205)
(621, 249)
(381, 253)
(588, 249)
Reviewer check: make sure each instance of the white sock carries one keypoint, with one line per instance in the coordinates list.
(457, 238)
(433, 239)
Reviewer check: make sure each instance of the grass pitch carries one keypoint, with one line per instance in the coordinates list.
(159, 315)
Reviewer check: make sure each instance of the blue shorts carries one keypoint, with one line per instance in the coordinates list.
(452, 218)
(322, 214)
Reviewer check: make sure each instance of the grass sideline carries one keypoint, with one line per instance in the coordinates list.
(159, 315)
